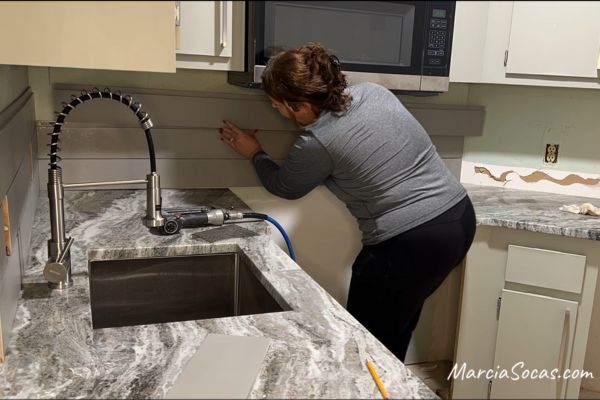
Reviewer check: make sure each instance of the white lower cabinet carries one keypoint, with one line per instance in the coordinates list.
(535, 337)
(525, 315)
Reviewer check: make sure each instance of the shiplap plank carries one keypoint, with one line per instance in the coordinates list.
(200, 143)
(207, 110)
(7, 169)
(454, 165)
(15, 136)
(15, 107)
(174, 173)
(183, 111)
(449, 146)
(449, 120)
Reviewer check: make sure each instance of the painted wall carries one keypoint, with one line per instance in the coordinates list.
(520, 122)
(521, 119)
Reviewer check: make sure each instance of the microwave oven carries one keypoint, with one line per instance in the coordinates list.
(402, 45)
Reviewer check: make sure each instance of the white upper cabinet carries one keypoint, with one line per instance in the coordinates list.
(543, 43)
(205, 28)
(117, 35)
(559, 38)
(210, 35)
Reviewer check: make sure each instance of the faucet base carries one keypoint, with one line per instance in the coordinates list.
(153, 222)
(61, 285)
(58, 271)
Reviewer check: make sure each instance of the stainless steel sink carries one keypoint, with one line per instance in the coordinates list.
(167, 289)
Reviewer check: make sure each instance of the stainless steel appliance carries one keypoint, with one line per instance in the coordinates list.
(403, 45)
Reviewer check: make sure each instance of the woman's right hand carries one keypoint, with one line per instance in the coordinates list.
(244, 143)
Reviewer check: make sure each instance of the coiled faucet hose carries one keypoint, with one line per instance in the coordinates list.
(143, 119)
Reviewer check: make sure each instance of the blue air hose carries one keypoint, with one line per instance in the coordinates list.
(288, 242)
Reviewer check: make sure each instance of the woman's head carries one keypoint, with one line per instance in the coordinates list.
(306, 75)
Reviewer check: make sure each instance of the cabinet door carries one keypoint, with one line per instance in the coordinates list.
(205, 28)
(556, 38)
(537, 331)
(119, 35)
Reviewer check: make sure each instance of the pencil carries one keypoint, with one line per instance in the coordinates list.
(380, 386)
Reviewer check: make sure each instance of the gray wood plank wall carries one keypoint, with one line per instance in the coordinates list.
(101, 139)
(19, 183)
(15, 135)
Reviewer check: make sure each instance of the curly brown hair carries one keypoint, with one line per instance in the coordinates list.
(307, 74)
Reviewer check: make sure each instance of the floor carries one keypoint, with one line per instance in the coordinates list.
(588, 394)
(435, 375)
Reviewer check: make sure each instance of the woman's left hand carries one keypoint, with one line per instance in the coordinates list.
(242, 142)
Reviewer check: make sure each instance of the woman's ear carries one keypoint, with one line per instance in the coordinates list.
(290, 107)
(304, 107)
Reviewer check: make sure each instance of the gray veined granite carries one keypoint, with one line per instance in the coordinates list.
(317, 350)
(532, 211)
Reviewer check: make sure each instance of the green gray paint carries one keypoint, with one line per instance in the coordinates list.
(520, 120)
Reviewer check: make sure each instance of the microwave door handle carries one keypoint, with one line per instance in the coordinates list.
(223, 24)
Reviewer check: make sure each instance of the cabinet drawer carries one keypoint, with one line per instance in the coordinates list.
(545, 268)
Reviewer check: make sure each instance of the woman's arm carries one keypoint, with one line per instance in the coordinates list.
(308, 165)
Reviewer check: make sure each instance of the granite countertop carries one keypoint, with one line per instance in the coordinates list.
(317, 349)
(532, 211)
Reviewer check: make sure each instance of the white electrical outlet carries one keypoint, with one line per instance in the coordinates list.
(551, 154)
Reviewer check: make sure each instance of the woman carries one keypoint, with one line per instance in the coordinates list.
(416, 219)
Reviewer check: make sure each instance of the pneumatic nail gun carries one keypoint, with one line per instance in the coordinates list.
(180, 218)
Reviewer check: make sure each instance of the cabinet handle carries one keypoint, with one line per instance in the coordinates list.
(563, 349)
(177, 25)
(224, 24)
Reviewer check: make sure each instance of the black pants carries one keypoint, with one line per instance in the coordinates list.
(391, 280)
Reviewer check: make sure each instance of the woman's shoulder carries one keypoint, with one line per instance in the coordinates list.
(369, 95)
(368, 92)
(364, 87)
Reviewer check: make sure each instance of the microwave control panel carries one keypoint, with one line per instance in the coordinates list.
(438, 37)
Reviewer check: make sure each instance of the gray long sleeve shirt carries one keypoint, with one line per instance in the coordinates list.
(375, 157)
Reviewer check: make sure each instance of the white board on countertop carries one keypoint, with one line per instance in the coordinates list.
(224, 367)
